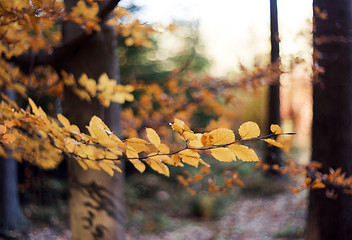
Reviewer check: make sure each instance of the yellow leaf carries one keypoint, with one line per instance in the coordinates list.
(176, 160)
(92, 164)
(64, 121)
(106, 168)
(202, 162)
(190, 157)
(138, 165)
(159, 167)
(83, 165)
(276, 129)
(163, 148)
(286, 142)
(249, 130)
(206, 139)
(190, 136)
(70, 144)
(244, 153)
(179, 126)
(138, 144)
(222, 136)
(274, 143)
(112, 165)
(190, 160)
(110, 155)
(162, 158)
(34, 107)
(223, 154)
(99, 130)
(129, 41)
(89, 84)
(153, 137)
(131, 153)
(195, 143)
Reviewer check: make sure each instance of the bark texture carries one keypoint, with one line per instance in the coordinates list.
(332, 118)
(96, 199)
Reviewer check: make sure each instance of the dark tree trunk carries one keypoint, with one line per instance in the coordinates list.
(12, 219)
(332, 119)
(273, 154)
(96, 199)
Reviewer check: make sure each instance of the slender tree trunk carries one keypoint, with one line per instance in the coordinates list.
(273, 154)
(332, 119)
(96, 199)
(11, 216)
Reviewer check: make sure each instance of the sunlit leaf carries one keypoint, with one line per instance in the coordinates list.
(249, 130)
(106, 168)
(222, 136)
(244, 153)
(138, 144)
(153, 137)
(274, 143)
(223, 154)
(275, 129)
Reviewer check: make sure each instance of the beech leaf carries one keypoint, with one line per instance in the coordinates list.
(249, 130)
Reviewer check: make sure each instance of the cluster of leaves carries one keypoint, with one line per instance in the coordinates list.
(189, 97)
(34, 26)
(315, 178)
(101, 149)
(136, 33)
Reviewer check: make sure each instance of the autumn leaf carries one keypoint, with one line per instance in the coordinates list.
(112, 165)
(159, 167)
(64, 121)
(131, 153)
(106, 168)
(182, 180)
(317, 184)
(163, 148)
(222, 136)
(223, 154)
(92, 164)
(274, 128)
(179, 126)
(153, 137)
(273, 142)
(82, 164)
(244, 153)
(249, 130)
(138, 144)
(190, 157)
(140, 166)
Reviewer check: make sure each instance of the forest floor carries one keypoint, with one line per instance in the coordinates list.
(280, 216)
(248, 214)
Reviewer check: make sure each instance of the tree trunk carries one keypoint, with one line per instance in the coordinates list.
(12, 219)
(273, 154)
(96, 199)
(332, 119)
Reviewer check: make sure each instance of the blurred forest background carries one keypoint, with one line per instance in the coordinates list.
(163, 75)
